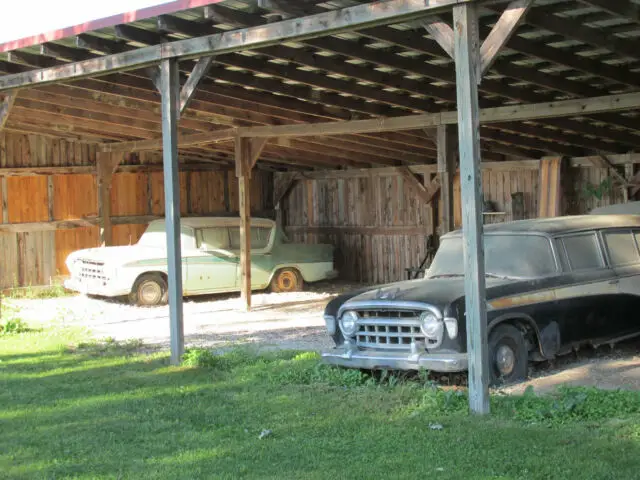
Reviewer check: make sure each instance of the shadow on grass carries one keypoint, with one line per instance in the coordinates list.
(89, 415)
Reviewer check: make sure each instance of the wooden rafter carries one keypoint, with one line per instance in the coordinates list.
(442, 33)
(620, 8)
(183, 141)
(334, 21)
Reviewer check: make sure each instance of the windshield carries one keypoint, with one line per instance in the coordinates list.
(156, 236)
(506, 256)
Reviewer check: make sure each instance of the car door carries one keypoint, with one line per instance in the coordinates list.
(590, 291)
(261, 258)
(213, 266)
(624, 256)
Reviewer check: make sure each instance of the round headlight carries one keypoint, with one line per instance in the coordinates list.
(431, 325)
(349, 323)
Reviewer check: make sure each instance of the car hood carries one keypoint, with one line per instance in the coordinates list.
(439, 292)
(119, 255)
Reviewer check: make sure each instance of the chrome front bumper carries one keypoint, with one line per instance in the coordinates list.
(381, 360)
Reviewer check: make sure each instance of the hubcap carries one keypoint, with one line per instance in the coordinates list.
(505, 360)
(150, 292)
(286, 281)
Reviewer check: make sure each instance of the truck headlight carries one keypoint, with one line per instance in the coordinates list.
(431, 326)
(330, 322)
(349, 323)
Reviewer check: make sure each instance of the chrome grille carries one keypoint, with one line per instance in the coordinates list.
(388, 329)
(91, 270)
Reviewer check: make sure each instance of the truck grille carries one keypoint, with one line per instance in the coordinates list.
(389, 329)
(91, 270)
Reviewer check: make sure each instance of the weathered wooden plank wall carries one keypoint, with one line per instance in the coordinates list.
(380, 228)
(37, 257)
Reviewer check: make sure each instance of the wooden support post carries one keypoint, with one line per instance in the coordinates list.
(5, 108)
(446, 171)
(170, 90)
(5, 201)
(107, 164)
(280, 194)
(243, 172)
(465, 20)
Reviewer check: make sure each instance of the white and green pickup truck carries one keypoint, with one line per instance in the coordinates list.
(210, 262)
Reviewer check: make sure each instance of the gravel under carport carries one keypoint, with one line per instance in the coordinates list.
(294, 321)
(284, 320)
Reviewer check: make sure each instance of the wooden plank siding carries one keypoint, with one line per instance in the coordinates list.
(38, 257)
(380, 228)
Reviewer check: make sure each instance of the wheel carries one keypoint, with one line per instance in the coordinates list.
(286, 280)
(149, 290)
(508, 355)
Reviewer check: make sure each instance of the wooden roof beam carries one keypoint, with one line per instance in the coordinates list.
(331, 22)
(563, 108)
(183, 141)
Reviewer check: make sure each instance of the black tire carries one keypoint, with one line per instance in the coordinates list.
(150, 290)
(508, 355)
(286, 280)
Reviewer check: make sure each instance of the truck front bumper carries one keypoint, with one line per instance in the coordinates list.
(353, 357)
(98, 288)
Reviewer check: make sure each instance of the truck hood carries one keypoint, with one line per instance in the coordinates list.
(438, 292)
(118, 255)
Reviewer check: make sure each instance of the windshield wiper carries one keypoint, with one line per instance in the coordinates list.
(448, 275)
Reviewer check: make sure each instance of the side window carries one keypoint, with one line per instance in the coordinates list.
(621, 247)
(259, 237)
(562, 256)
(583, 251)
(216, 238)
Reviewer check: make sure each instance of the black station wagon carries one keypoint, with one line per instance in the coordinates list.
(552, 285)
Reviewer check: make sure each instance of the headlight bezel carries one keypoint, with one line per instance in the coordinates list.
(354, 317)
(431, 325)
(330, 323)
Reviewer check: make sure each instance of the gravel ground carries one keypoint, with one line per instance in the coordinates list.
(294, 321)
(285, 320)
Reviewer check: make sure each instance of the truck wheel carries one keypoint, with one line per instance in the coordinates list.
(508, 355)
(287, 280)
(149, 290)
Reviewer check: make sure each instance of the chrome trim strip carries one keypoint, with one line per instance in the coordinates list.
(388, 304)
(437, 362)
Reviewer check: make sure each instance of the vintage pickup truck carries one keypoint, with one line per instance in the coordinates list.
(210, 262)
(552, 285)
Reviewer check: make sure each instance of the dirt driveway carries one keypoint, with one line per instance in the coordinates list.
(294, 321)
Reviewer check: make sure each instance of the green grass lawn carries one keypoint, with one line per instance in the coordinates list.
(73, 410)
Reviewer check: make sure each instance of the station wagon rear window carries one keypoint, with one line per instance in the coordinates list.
(621, 247)
(517, 256)
(583, 251)
(259, 237)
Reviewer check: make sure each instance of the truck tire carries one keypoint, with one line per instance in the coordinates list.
(508, 355)
(150, 290)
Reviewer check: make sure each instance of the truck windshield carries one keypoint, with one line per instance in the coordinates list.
(506, 256)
